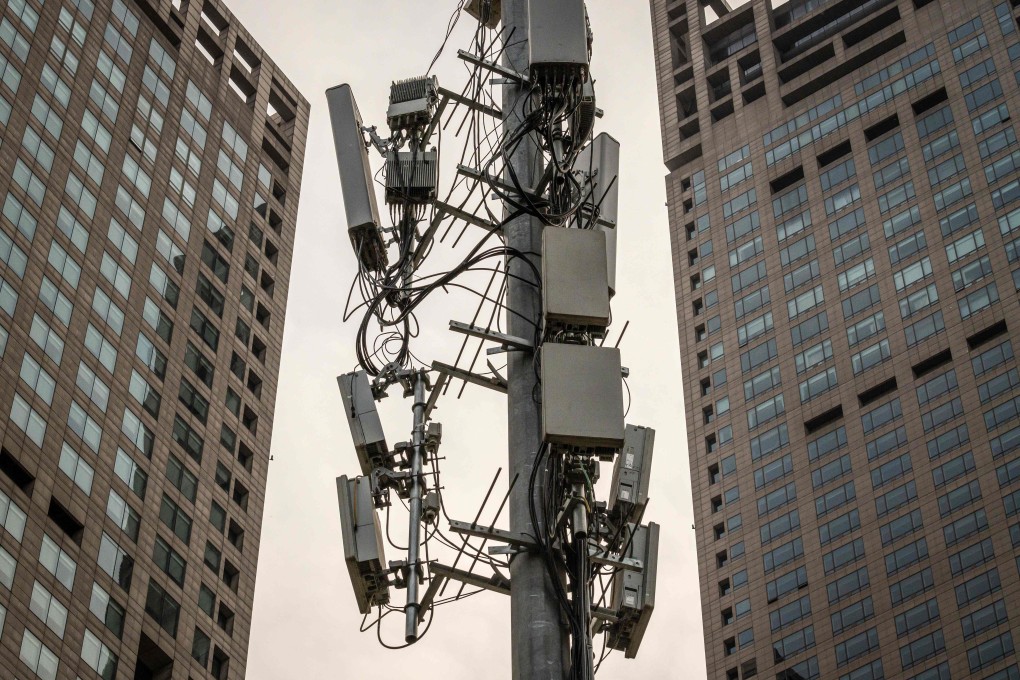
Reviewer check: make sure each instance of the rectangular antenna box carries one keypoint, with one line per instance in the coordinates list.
(634, 592)
(575, 287)
(411, 177)
(558, 40)
(631, 474)
(364, 551)
(582, 397)
(600, 161)
(363, 418)
(412, 102)
(356, 178)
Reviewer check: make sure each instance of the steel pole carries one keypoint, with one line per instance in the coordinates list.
(538, 642)
(582, 597)
(414, 503)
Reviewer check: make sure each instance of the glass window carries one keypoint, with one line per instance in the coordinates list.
(847, 585)
(970, 273)
(131, 473)
(908, 555)
(33, 187)
(983, 619)
(858, 302)
(115, 561)
(48, 609)
(940, 146)
(839, 557)
(175, 519)
(896, 529)
(901, 221)
(851, 615)
(911, 586)
(57, 562)
(181, 477)
(947, 169)
(38, 657)
(169, 560)
(965, 527)
(831, 471)
(136, 431)
(71, 228)
(769, 442)
(75, 467)
(990, 651)
(123, 515)
(107, 610)
(36, 377)
(896, 197)
(28, 419)
(922, 649)
(977, 587)
(97, 655)
(19, 216)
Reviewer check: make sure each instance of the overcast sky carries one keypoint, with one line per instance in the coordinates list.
(305, 619)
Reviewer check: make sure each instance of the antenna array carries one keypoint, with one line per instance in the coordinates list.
(551, 257)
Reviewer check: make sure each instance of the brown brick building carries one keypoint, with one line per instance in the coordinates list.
(844, 197)
(151, 159)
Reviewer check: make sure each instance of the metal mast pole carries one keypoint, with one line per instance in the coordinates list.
(414, 524)
(538, 643)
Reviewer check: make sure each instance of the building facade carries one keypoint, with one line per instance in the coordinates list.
(151, 159)
(844, 195)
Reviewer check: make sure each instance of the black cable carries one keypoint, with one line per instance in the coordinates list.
(454, 18)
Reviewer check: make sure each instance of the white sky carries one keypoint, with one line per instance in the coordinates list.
(305, 619)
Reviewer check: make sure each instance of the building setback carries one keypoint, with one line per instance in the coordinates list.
(151, 157)
(844, 195)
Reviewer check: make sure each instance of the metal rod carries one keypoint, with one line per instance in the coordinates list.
(417, 455)
(477, 516)
(538, 643)
(499, 511)
(507, 73)
(582, 597)
(489, 334)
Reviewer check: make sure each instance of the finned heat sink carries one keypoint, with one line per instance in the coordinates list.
(412, 102)
(411, 177)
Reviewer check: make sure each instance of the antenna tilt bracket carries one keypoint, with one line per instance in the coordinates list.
(509, 341)
(497, 384)
(493, 534)
(509, 74)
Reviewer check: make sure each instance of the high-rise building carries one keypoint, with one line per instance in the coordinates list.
(844, 194)
(151, 159)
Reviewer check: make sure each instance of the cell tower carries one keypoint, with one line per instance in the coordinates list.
(586, 565)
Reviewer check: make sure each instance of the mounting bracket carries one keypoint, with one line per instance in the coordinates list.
(497, 384)
(493, 534)
(510, 74)
(610, 560)
(487, 334)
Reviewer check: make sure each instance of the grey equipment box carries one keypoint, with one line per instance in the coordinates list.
(632, 471)
(411, 177)
(356, 179)
(412, 102)
(364, 551)
(558, 41)
(363, 418)
(575, 290)
(634, 592)
(582, 397)
(600, 160)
